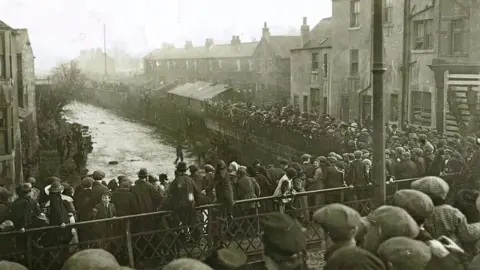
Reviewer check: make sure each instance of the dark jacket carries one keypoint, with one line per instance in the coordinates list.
(406, 170)
(198, 180)
(357, 175)
(83, 204)
(223, 186)
(333, 177)
(101, 211)
(146, 196)
(183, 193)
(23, 212)
(125, 202)
(248, 188)
(98, 189)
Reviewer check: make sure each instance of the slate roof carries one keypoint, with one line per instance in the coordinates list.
(199, 90)
(216, 51)
(281, 45)
(320, 35)
(3, 25)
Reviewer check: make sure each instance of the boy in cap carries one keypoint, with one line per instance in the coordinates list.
(227, 259)
(402, 253)
(284, 242)
(91, 259)
(350, 258)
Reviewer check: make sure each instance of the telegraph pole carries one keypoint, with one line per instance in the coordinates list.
(405, 64)
(378, 124)
(105, 48)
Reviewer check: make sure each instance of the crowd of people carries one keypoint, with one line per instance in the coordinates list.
(421, 231)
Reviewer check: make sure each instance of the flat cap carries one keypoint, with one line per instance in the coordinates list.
(416, 203)
(227, 258)
(87, 182)
(431, 185)
(283, 233)
(405, 253)
(349, 258)
(91, 259)
(338, 220)
(186, 264)
(394, 222)
(6, 265)
(98, 175)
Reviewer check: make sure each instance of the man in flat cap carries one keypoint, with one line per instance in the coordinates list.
(340, 223)
(403, 253)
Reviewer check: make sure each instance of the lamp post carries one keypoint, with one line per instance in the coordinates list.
(378, 118)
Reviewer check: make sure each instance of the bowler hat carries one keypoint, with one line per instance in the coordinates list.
(142, 173)
(56, 187)
(182, 167)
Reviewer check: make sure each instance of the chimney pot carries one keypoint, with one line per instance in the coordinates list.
(265, 24)
(304, 20)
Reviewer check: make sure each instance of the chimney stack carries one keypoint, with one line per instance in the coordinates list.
(235, 40)
(208, 43)
(265, 31)
(188, 44)
(305, 32)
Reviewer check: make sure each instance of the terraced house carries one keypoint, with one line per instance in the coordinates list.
(222, 63)
(18, 146)
(259, 69)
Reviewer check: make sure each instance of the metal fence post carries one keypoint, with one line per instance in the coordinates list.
(128, 237)
(28, 239)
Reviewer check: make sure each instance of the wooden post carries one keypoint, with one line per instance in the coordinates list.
(378, 122)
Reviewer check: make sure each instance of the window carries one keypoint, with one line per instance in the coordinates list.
(305, 104)
(325, 65)
(314, 61)
(20, 87)
(314, 78)
(219, 64)
(296, 102)
(354, 62)
(186, 64)
(366, 106)
(458, 29)
(423, 35)
(239, 66)
(354, 13)
(210, 65)
(388, 11)
(250, 65)
(194, 64)
(421, 108)
(394, 107)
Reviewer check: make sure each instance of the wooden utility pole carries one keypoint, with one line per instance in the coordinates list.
(378, 123)
(405, 64)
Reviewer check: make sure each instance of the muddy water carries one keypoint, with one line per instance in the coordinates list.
(132, 144)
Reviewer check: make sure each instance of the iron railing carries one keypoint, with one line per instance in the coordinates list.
(150, 240)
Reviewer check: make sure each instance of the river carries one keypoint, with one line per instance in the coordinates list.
(131, 143)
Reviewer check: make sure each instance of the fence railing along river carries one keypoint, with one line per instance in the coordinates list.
(150, 240)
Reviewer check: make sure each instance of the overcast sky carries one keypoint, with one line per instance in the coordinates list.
(58, 29)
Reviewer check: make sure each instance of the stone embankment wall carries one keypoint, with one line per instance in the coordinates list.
(131, 105)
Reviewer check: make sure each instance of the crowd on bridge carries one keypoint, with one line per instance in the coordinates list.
(418, 220)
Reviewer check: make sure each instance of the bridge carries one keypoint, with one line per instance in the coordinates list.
(151, 240)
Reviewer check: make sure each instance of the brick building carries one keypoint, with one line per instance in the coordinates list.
(10, 135)
(272, 66)
(26, 103)
(310, 76)
(229, 64)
